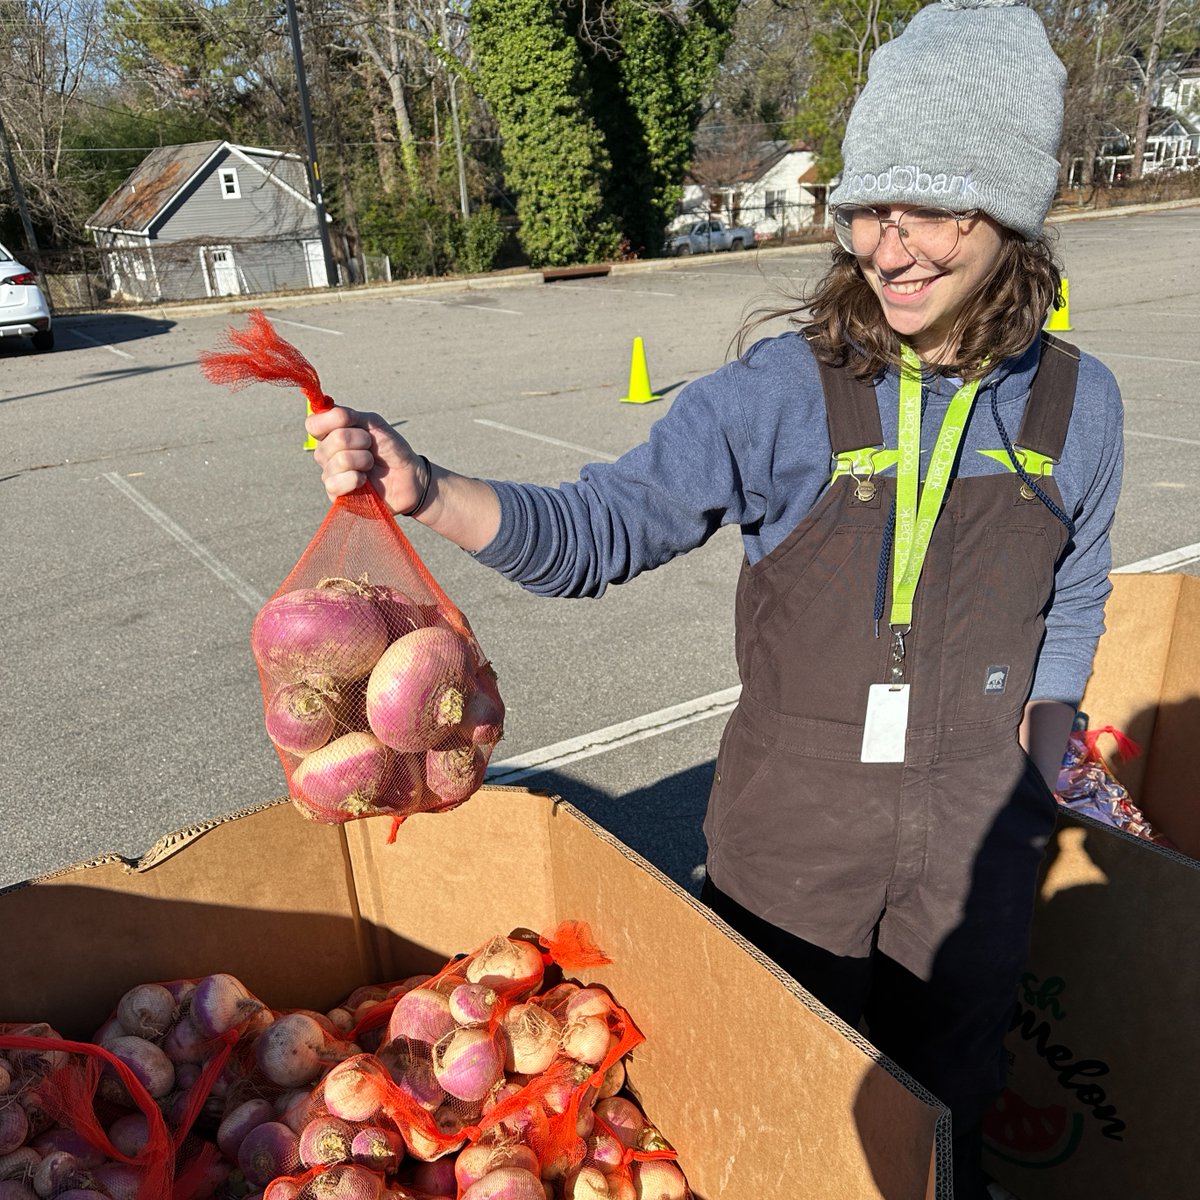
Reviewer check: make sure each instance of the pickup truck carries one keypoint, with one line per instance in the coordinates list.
(705, 236)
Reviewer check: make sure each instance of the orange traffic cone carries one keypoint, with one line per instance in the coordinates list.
(639, 377)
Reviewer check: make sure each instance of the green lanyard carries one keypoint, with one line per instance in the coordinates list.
(914, 523)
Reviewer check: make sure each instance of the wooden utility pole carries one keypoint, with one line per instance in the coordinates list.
(18, 190)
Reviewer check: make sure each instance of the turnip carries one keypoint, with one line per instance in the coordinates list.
(346, 1183)
(589, 1002)
(532, 1037)
(220, 1003)
(57, 1172)
(587, 1040)
(130, 1134)
(283, 1189)
(468, 1063)
(325, 636)
(146, 1011)
(613, 1081)
(121, 1181)
(589, 1183)
(296, 1108)
(422, 1015)
(343, 779)
(20, 1164)
(400, 613)
(151, 1067)
(267, 1151)
(185, 1043)
(299, 719)
(13, 1189)
(658, 1179)
(73, 1143)
(629, 1124)
(455, 775)
(342, 1019)
(483, 716)
(605, 1151)
(325, 1140)
(506, 1183)
(412, 1074)
(353, 1090)
(14, 1128)
(435, 1179)
(447, 1124)
(507, 964)
(472, 1003)
(239, 1121)
(418, 688)
(294, 1050)
(474, 1162)
(378, 1148)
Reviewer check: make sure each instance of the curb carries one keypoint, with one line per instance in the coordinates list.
(472, 283)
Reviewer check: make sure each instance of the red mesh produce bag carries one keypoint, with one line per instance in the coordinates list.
(376, 693)
(57, 1122)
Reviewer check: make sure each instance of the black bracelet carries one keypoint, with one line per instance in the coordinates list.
(420, 504)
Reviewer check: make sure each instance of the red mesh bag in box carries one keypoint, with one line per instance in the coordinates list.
(376, 693)
(62, 1105)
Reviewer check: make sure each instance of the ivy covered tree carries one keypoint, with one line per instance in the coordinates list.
(597, 106)
(532, 74)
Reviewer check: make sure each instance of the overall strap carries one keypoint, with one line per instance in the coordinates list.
(851, 410)
(1051, 399)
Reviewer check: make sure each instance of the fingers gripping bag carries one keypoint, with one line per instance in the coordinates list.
(376, 694)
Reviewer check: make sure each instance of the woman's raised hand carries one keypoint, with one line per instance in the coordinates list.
(354, 448)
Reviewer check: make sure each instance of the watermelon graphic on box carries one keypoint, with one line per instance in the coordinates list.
(1021, 1133)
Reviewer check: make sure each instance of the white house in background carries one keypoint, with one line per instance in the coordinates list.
(774, 190)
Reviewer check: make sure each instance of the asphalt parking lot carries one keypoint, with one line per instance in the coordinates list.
(147, 514)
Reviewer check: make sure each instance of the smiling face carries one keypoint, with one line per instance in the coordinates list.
(921, 299)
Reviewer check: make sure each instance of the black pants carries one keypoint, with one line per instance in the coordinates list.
(876, 995)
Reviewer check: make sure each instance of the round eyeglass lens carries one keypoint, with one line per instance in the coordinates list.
(926, 233)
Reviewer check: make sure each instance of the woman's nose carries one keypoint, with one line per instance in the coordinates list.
(891, 254)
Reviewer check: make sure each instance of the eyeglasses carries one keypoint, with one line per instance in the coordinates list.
(927, 234)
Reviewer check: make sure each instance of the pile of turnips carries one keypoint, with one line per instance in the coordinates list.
(377, 704)
(494, 1079)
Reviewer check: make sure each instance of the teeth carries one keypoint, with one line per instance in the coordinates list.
(907, 289)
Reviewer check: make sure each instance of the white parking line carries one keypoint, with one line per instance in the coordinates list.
(521, 766)
(96, 342)
(541, 437)
(253, 598)
(301, 325)
(1184, 556)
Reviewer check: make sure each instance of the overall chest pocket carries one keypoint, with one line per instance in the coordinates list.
(999, 638)
(806, 630)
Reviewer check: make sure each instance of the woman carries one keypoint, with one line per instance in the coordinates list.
(925, 486)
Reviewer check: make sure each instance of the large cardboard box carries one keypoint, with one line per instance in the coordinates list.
(764, 1093)
(1105, 1054)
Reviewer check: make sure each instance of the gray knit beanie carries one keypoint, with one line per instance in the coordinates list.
(963, 110)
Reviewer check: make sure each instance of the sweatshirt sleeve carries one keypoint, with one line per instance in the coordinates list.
(662, 498)
(1093, 458)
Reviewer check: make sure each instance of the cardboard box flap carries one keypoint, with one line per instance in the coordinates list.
(760, 1088)
(263, 896)
(1146, 682)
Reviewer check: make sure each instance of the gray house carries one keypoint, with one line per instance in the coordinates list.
(210, 219)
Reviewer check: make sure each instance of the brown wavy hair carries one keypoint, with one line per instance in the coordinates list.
(844, 323)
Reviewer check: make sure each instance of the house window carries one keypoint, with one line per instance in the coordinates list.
(229, 183)
(774, 203)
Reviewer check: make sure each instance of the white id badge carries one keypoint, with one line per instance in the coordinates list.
(886, 723)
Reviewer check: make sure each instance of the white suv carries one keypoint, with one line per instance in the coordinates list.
(23, 309)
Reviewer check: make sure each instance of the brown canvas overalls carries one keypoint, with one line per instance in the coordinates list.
(931, 861)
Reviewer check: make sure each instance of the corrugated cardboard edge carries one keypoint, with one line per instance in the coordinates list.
(941, 1186)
